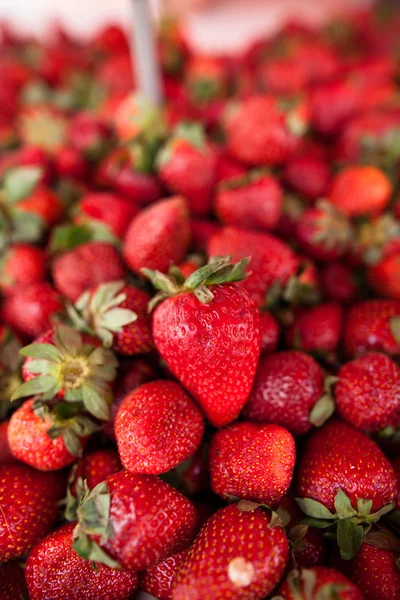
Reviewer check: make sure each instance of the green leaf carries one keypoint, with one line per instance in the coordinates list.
(68, 340)
(349, 537)
(44, 384)
(395, 328)
(203, 294)
(105, 294)
(94, 512)
(102, 356)
(26, 227)
(318, 523)
(314, 509)
(343, 505)
(116, 318)
(42, 351)
(89, 550)
(364, 507)
(204, 273)
(67, 237)
(161, 281)
(72, 442)
(95, 403)
(380, 513)
(21, 181)
(322, 410)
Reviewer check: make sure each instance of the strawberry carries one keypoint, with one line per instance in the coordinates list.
(55, 571)
(338, 283)
(29, 508)
(117, 314)
(86, 266)
(228, 167)
(269, 329)
(317, 329)
(6, 456)
(136, 119)
(356, 490)
(318, 582)
(44, 126)
(22, 265)
(384, 277)
(206, 79)
(367, 394)
(375, 571)
(372, 325)
(193, 476)
(12, 582)
(288, 390)
(43, 204)
(201, 232)
(204, 321)
(158, 236)
(111, 39)
(71, 164)
(187, 167)
(272, 262)
(253, 201)
(252, 462)
(89, 135)
(396, 467)
(308, 175)
(370, 191)
(262, 132)
(133, 521)
(32, 309)
(333, 103)
(159, 579)
(107, 209)
(238, 554)
(157, 427)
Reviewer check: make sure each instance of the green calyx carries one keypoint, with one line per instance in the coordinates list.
(192, 133)
(67, 237)
(93, 515)
(395, 328)
(100, 313)
(324, 408)
(19, 183)
(249, 506)
(348, 525)
(303, 585)
(217, 271)
(79, 371)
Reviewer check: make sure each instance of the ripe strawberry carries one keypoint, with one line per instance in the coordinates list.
(372, 325)
(29, 506)
(89, 135)
(238, 554)
(31, 310)
(338, 283)
(43, 204)
(12, 582)
(111, 39)
(333, 103)
(269, 329)
(157, 427)
(107, 209)
(159, 579)
(136, 119)
(158, 236)
(308, 175)
(187, 167)
(288, 390)
(193, 477)
(228, 167)
(206, 79)
(272, 262)
(21, 266)
(317, 329)
(201, 233)
(370, 191)
(85, 267)
(357, 488)
(55, 571)
(262, 132)
(375, 571)
(367, 394)
(318, 582)
(253, 201)
(252, 462)
(196, 325)
(323, 232)
(117, 314)
(71, 164)
(384, 277)
(44, 126)
(136, 520)
(6, 456)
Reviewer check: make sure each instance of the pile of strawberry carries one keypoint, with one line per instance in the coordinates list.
(200, 318)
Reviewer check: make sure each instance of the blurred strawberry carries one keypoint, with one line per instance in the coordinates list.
(21, 266)
(370, 191)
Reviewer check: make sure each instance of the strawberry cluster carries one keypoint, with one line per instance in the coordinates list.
(200, 318)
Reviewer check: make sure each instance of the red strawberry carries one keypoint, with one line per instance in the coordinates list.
(44, 204)
(375, 571)
(372, 325)
(12, 582)
(201, 233)
(367, 394)
(384, 277)
(338, 283)
(253, 201)
(238, 554)
(111, 39)
(136, 119)
(228, 167)
(252, 462)
(269, 329)
(317, 329)
(54, 571)
(318, 582)
(71, 164)
(396, 467)
(288, 390)
(261, 132)
(89, 135)
(117, 314)
(157, 427)
(29, 506)
(195, 326)
(271, 260)
(22, 265)
(107, 209)
(32, 309)
(159, 579)
(333, 103)
(187, 167)
(345, 481)
(370, 191)
(206, 78)
(308, 175)
(137, 520)
(85, 267)
(158, 236)
(6, 456)
(193, 476)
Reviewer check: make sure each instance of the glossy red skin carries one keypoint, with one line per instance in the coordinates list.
(31, 310)
(87, 132)
(94, 467)
(317, 329)
(135, 338)
(159, 579)
(29, 506)
(44, 203)
(6, 456)
(138, 187)
(254, 205)
(158, 236)
(346, 590)
(190, 172)
(332, 104)
(367, 327)
(54, 571)
(286, 387)
(315, 222)
(370, 191)
(110, 209)
(384, 278)
(157, 427)
(338, 283)
(23, 266)
(86, 266)
(269, 333)
(252, 461)
(367, 394)
(150, 519)
(191, 336)
(375, 572)
(12, 582)
(308, 175)
(271, 259)
(29, 442)
(362, 471)
(194, 476)
(228, 535)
